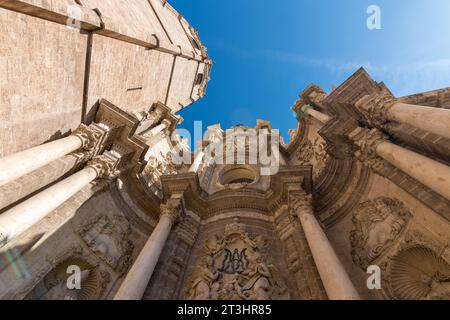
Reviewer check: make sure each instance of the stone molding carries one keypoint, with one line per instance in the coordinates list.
(105, 165)
(375, 108)
(91, 137)
(367, 141)
(173, 208)
(300, 203)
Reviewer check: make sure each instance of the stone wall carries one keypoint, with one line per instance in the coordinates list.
(52, 76)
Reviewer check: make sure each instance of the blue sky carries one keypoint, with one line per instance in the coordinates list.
(267, 52)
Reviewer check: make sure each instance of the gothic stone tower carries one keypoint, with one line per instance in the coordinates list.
(90, 181)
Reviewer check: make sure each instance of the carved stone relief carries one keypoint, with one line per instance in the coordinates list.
(419, 273)
(236, 267)
(108, 238)
(156, 168)
(378, 224)
(50, 283)
(314, 153)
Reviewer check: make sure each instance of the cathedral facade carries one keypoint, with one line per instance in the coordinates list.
(101, 199)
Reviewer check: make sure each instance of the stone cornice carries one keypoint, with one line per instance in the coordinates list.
(125, 126)
(287, 179)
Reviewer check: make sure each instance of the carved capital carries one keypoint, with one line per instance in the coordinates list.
(90, 136)
(314, 94)
(105, 164)
(375, 163)
(367, 141)
(173, 208)
(375, 108)
(300, 203)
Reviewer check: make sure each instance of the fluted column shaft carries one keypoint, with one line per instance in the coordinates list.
(435, 120)
(137, 279)
(334, 277)
(23, 216)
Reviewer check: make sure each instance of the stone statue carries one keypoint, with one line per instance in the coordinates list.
(258, 285)
(203, 286)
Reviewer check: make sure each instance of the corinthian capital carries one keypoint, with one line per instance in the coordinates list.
(173, 208)
(375, 108)
(300, 203)
(104, 164)
(367, 141)
(90, 136)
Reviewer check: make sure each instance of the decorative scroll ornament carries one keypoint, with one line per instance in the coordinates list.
(419, 273)
(300, 203)
(104, 164)
(375, 108)
(108, 238)
(173, 208)
(369, 141)
(378, 224)
(90, 136)
(313, 153)
(305, 152)
(235, 267)
(156, 168)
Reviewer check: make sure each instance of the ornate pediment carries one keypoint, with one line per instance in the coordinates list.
(236, 267)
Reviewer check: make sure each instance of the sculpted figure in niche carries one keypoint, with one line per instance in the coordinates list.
(232, 289)
(377, 225)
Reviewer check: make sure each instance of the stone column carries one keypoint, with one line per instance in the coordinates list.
(165, 124)
(153, 116)
(38, 179)
(197, 161)
(433, 174)
(21, 163)
(23, 216)
(379, 109)
(137, 279)
(309, 110)
(334, 277)
(435, 120)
